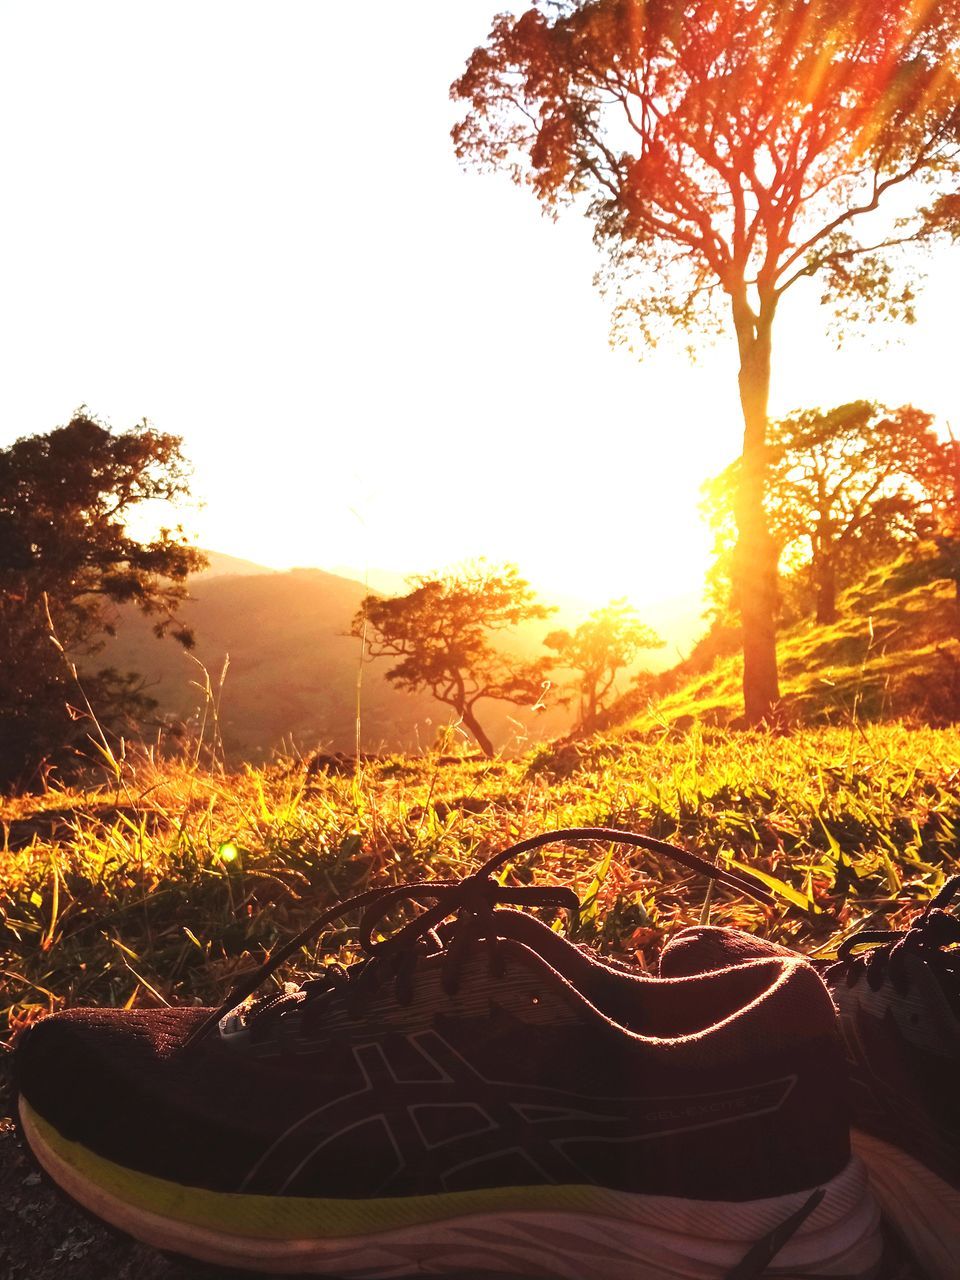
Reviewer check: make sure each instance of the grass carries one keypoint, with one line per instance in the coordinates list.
(165, 883)
(893, 653)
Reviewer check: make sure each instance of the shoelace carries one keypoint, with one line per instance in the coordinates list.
(471, 901)
(929, 937)
(756, 1260)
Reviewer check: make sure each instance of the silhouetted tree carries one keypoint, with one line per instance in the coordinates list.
(725, 152)
(441, 633)
(65, 547)
(608, 641)
(844, 486)
(947, 533)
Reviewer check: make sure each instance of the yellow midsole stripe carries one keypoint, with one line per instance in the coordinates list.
(302, 1217)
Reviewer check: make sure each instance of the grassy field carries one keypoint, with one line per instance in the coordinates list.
(162, 884)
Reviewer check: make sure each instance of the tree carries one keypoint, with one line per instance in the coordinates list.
(609, 640)
(947, 533)
(441, 633)
(844, 486)
(67, 555)
(727, 151)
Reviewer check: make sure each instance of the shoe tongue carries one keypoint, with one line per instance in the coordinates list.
(704, 948)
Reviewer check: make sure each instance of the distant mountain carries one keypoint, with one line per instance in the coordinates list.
(384, 582)
(293, 670)
(219, 565)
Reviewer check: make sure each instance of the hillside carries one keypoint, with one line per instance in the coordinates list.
(292, 674)
(893, 654)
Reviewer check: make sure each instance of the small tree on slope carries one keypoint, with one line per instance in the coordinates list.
(607, 642)
(727, 151)
(441, 633)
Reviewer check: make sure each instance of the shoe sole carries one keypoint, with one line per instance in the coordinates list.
(924, 1209)
(577, 1233)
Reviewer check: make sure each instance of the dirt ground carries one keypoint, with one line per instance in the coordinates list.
(45, 1237)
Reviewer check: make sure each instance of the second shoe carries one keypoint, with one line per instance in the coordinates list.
(897, 995)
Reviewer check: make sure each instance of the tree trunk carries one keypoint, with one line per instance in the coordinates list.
(824, 558)
(483, 742)
(588, 703)
(826, 577)
(755, 563)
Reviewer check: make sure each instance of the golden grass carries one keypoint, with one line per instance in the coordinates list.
(164, 884)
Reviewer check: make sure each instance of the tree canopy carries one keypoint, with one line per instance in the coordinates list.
(442, 632)
(67, 554)
(608, 641)
(845, 485)
(726, 152)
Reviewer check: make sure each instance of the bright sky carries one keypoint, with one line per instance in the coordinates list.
(245, 222)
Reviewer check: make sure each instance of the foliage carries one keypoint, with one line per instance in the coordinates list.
(441, 633)
(603, 645)
(66, 556)
(947, 536)
(726, 152)
(845, 486)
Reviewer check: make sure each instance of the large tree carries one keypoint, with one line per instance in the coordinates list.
(947, 533)
(605, 643)
(68, 556)
(442, 633)
(844, 486)
(727, 151)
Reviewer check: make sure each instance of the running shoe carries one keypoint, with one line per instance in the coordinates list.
(897, 993)
(478, 1097)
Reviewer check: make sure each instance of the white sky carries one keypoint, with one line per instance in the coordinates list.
(246, 223)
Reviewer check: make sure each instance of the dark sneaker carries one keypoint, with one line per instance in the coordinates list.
(478, 1097)
(898, 999)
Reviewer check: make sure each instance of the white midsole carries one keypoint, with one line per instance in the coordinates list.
(923, 1208)
(638, 1238)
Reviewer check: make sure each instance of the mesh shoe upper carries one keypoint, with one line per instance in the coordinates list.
(545, 1067)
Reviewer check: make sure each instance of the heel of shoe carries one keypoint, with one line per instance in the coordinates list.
(842, 1237)
(923, 1208)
